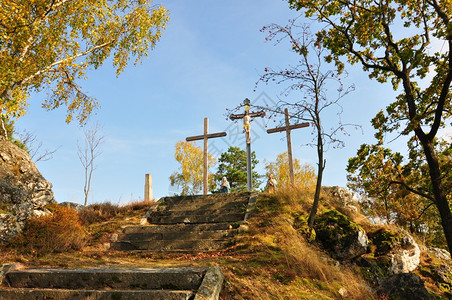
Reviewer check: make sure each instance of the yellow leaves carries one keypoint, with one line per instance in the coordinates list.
(304, 174)
(190, 175)
(16, 107)
(74, 35)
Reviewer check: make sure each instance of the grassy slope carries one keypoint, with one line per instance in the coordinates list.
(271, 261)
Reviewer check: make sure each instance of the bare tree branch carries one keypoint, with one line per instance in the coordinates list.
(88, 153)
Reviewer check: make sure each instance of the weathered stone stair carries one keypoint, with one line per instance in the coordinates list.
(74, 284)
(176, 224)
(188, 224)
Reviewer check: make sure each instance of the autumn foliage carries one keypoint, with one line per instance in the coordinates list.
(305, 177)
(393, 41)
(59, 232)
(189, 177)
(49, 45)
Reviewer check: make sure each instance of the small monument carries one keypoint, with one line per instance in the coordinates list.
(148, 196)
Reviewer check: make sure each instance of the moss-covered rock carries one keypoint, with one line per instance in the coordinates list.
(385, 240)
(341, 236)
(397, 245)
(23, 190)
(300, 223)
(406, 286)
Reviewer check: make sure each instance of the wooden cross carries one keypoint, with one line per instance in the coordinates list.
(287, 129)
(247, 128)
(205, 137)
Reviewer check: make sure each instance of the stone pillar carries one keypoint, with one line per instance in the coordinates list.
(148, 188)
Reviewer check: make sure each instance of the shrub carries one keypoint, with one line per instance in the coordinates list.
(59, 232)
(101, 212)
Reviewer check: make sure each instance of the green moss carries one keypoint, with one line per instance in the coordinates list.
(445, 288)
(5, 208)
(300, 223)
(385, 240)
(378, 268)
(333, 228)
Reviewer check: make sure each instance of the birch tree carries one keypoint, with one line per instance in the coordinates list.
(50, 44)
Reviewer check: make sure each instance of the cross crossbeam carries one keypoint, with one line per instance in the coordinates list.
(247, 128)
(205, 137)
(287, 129)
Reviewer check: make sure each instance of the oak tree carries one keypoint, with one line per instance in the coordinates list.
(398, 189)
(50, 44)
(393, 40)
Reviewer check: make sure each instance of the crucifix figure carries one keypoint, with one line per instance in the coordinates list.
(247, 129)
(205, 137)
(287, 129)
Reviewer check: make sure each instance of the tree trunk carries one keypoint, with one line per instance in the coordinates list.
(441, 201)
(318, 186)
(4, 132)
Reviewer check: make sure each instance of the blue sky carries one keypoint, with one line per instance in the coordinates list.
(208, 59)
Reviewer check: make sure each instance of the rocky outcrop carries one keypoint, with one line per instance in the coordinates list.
(340, 235)
(399, 247)
(403, 286)
(75, 206)
(24, 192)
(343, 199)
(441, 254)
(406, 257)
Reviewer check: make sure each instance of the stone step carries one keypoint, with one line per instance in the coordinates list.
(144, 283)
(170, 205)
(173, 245)
(64, 294)
(200, 211)
(176, 235)
(143, 278)
(178, 228)
(212, 198)
(195, 218)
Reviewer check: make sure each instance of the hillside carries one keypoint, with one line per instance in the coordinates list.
(277, 258)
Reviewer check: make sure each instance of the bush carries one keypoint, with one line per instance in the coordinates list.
(59, 232)
(101, 212)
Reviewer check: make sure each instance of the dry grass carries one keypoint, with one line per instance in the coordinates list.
(274, 261)
(271, 261)
(59, 232)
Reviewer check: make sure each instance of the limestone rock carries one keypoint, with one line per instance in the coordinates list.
(24, 192)
(75, 206)
(340, 235)
(343, 199)
(407, 257)
(403, 286)
(439, 269)
(442, 254)
(399, 247)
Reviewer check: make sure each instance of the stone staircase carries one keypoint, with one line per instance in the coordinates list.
(173, 224)
(89, 284)
(188, 224)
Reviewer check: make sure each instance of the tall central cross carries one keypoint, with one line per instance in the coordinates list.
(247, 128)
(287, 129)
(205, 137)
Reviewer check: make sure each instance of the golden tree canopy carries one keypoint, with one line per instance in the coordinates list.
(51, 43)
(189, 178)
(304, 174)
